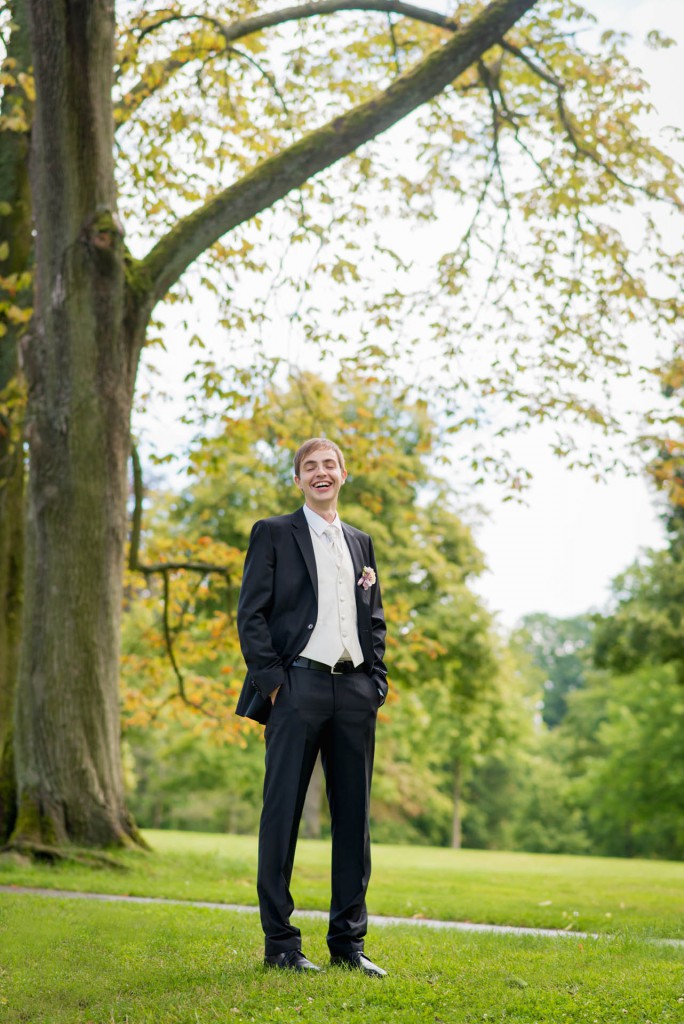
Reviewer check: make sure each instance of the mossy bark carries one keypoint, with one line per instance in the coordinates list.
(80, 360)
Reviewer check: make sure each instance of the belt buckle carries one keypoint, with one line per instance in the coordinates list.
(334, 673)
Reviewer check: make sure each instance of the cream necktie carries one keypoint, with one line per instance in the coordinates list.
(333, 536)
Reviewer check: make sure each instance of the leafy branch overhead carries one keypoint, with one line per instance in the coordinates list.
(277, 175)
(158, 73)
(527, 159)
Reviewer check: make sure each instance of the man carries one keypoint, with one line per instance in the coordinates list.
(312, 632)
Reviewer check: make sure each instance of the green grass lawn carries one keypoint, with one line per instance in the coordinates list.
(579, 893)
(74, 962)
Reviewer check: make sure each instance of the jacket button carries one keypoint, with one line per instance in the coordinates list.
(310, 626)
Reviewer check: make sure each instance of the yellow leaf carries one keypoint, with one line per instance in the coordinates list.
(28, 85)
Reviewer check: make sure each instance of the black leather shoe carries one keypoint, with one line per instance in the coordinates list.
(291, 959)
(359, 962)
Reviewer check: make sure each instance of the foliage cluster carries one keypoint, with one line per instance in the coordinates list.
(530, 744)
(441, 634)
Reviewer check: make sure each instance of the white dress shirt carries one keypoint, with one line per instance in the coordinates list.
(335, 636)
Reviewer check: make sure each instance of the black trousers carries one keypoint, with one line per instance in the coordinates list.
(335, 714)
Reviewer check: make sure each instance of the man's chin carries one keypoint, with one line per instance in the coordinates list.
(322, 502)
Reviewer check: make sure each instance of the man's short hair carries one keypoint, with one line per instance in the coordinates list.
(312, 445)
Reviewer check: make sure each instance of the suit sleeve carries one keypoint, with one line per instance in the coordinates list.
(264, 664)
(378, 632)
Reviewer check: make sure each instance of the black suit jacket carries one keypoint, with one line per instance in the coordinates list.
(278, 607)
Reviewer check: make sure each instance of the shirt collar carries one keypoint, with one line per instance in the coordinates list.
(318, 524)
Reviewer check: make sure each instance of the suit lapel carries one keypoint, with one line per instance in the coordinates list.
(302, 535)
(354, 549)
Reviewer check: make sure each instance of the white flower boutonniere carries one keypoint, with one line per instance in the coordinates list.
(367, 578)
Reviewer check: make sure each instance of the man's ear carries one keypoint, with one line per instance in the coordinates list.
(297, 483)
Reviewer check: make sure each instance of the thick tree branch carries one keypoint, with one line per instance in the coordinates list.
(274, 178)
(160, 71)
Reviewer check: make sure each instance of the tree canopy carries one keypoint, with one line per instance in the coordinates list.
(159, 143)
(453, 689)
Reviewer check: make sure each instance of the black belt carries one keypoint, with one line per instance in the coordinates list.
(340, 669)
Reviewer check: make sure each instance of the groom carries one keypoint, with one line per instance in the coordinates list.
(312, 632)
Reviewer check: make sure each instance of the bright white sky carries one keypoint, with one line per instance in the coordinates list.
(559, 551)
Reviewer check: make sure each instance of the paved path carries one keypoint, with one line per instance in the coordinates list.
(320, 915)
(423, 922)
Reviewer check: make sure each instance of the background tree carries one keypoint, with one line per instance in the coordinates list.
(622, 754)
(443, 656)
(94, 299)
(612, 766)
(560, 648)
(646, 625)
(465, 748)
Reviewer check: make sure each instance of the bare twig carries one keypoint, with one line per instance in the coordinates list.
(263, 72)
(165, 569)
(230, 32)
(489, 82)
(395, 46)
(180, 678)
(581, 149)
(592, 155)
(546, 76)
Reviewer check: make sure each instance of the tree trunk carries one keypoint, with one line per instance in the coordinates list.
(312, 803)
(456, 820)
(15, 242)
(80, 363)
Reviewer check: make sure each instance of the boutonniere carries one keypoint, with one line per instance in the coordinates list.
(367, 578)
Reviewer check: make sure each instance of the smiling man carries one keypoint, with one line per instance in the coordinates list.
(312, 632)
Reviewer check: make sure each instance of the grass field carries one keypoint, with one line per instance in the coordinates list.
(578, 893)
(79, 962)
(69, 962)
